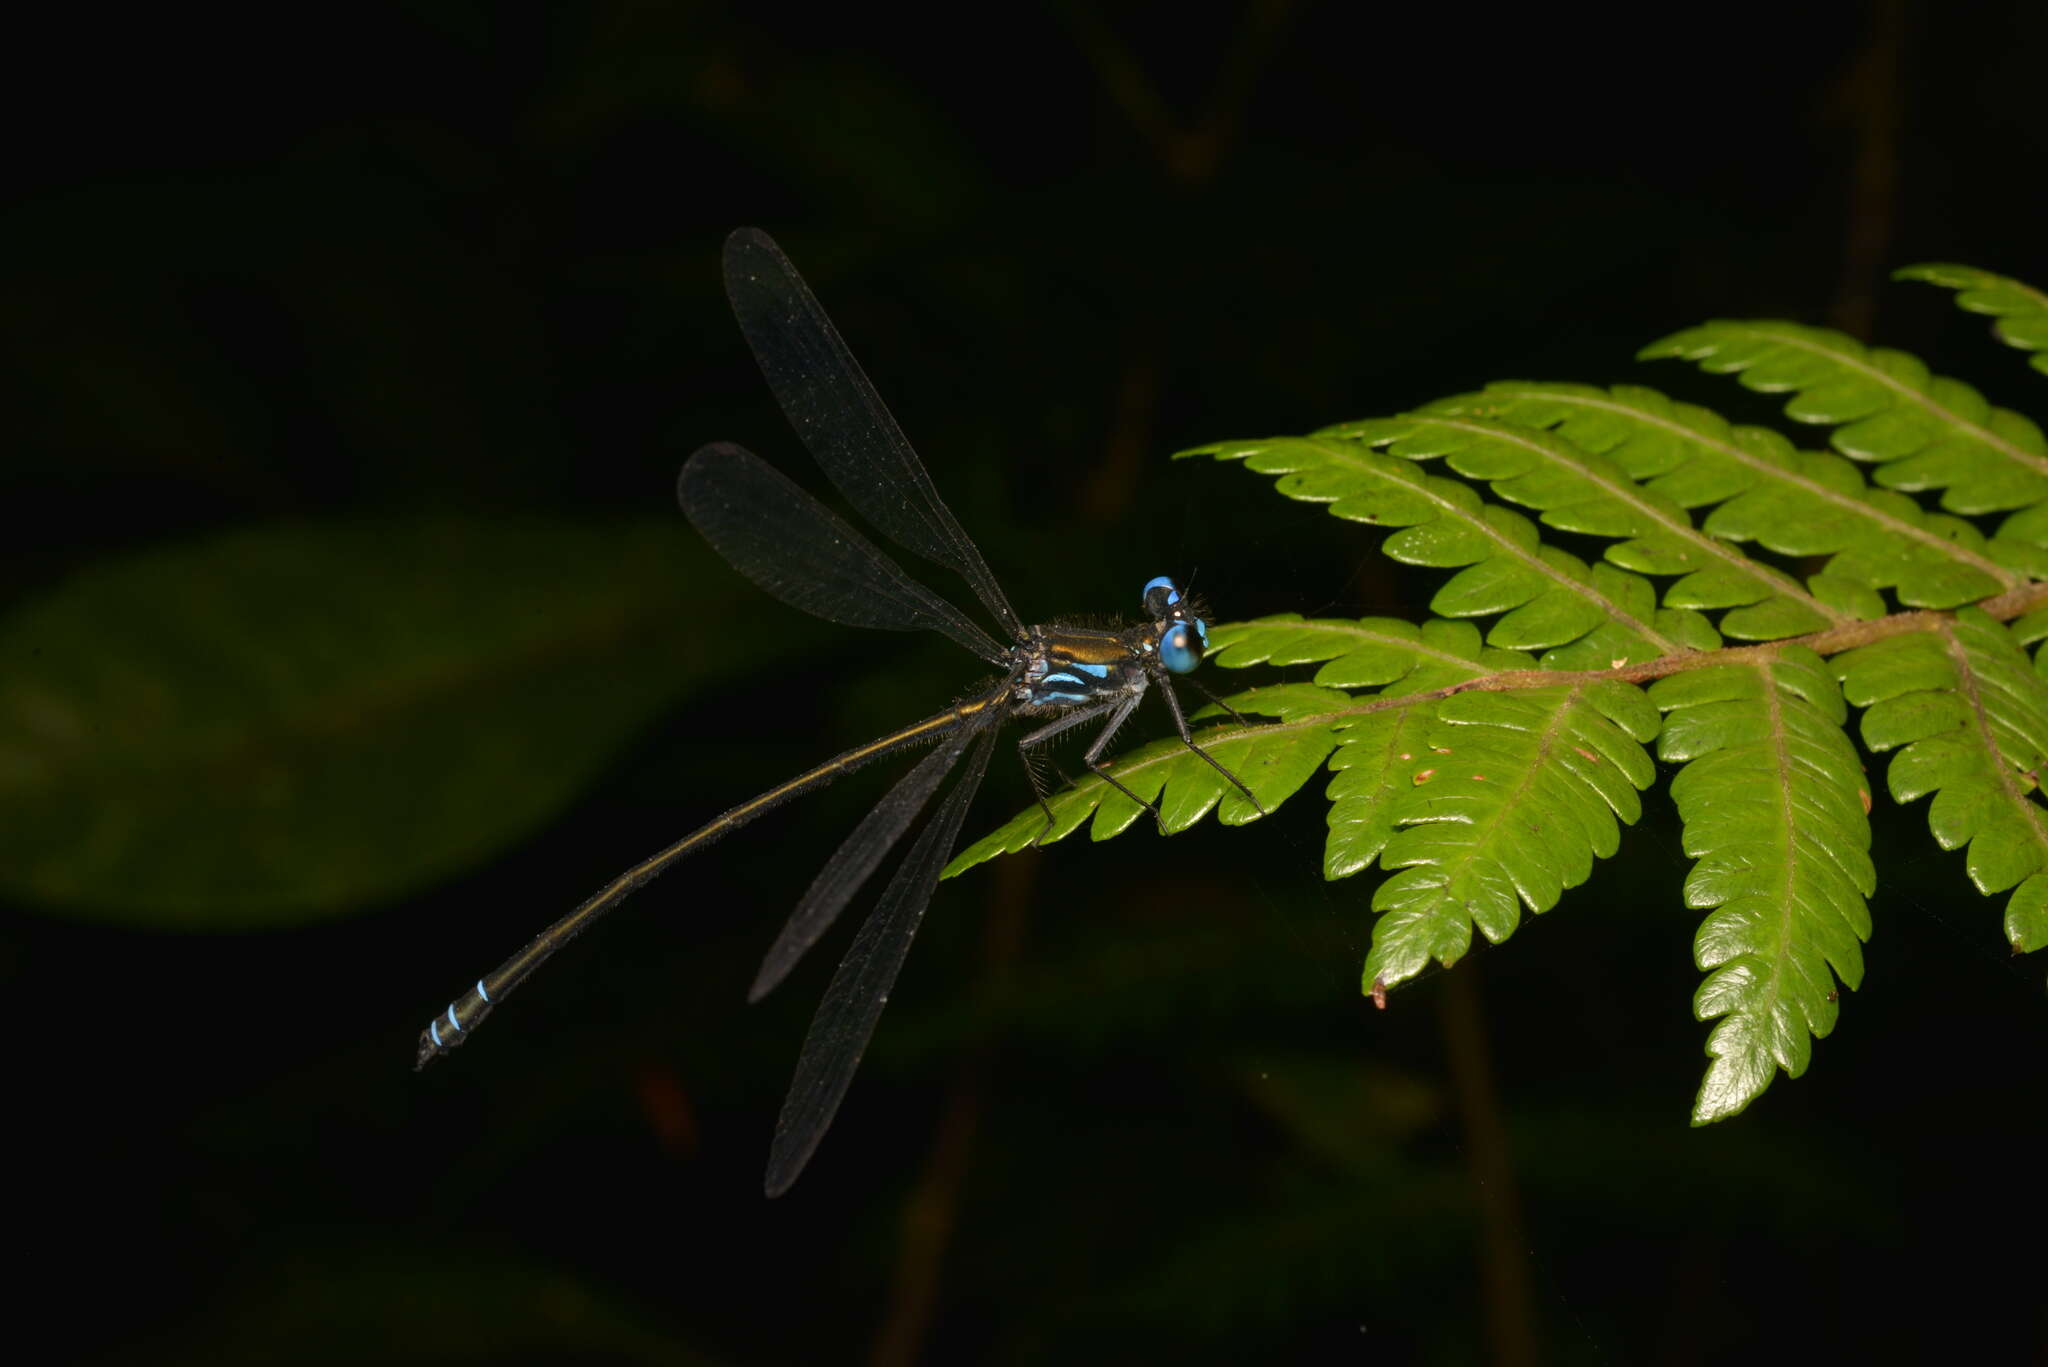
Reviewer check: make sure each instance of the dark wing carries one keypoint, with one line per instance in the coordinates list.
(840, 417)
(858, 855)
(795, 548)
(860, 988)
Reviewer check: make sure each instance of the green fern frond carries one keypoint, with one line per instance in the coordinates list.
(1412, 663)
(2021, 310)
(1922, 431)
(1773, 805)
(1972, 715)
(1274, 761)
(1486, 772)
(1578, 490)
(1371, 652)
(1510, 799)
(1375, 768)
(1546, 597)
(1796, 503)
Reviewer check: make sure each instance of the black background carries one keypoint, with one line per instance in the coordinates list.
(1129, 1103)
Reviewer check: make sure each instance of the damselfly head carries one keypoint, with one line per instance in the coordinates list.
(1183, 635)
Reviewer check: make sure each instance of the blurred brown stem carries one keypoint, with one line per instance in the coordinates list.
(1189, 152)
(1869, 100)
(931, 1213)
(1505, 1294)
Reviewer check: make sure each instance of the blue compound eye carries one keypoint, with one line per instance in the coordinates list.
(1160, 596)
(1181, 646)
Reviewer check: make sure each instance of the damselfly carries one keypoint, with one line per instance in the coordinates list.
(792, 546)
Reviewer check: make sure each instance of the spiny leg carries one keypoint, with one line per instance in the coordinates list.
(1118, 709)
(1040, 737)
(1180, 723)
(1093, 759)
(1034, 769)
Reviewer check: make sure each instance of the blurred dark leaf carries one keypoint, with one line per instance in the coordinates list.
(272, 726)
(422, 1303)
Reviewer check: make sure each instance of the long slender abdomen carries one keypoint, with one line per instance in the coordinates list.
(454, 1025)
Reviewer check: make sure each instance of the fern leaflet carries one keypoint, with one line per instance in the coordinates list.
(1773, 804)
(1971, 715)
(2021, 310)
(1922, 431)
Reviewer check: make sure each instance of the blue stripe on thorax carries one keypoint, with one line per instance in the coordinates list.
(1067, 685)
